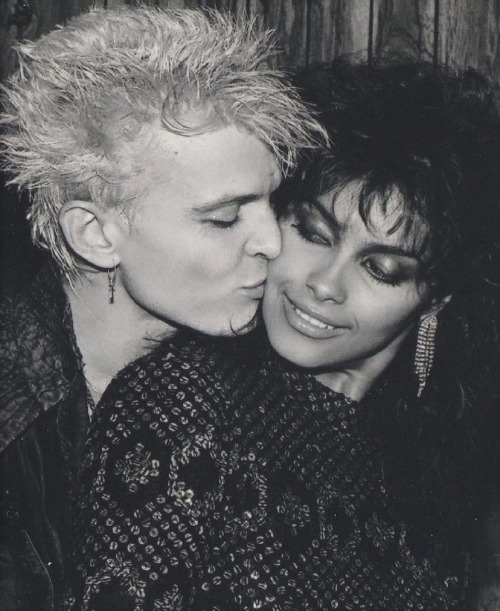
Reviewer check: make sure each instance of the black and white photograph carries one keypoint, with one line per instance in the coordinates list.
(250, 305)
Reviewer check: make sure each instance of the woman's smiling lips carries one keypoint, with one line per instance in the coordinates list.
(308, 324)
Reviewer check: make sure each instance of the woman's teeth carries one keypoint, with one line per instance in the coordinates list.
(312, 321)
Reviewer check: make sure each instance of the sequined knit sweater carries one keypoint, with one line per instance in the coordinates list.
(215, 480)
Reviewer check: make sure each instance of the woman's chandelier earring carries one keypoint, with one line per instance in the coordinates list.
(424, 354)
(111, 284)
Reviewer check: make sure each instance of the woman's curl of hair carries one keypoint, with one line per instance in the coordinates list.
(83, 90)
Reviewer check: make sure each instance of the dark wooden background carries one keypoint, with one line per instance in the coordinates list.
(457, 32)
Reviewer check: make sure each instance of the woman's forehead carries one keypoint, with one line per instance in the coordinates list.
(387, 217)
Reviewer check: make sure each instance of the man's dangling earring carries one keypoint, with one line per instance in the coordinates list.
(424, 354)
(111, 283)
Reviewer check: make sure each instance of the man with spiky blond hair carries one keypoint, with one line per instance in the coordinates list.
(150, 143)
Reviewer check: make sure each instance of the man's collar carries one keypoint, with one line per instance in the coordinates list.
(44, 354)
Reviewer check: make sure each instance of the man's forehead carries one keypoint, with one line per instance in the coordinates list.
(214, 138)
(212, 168)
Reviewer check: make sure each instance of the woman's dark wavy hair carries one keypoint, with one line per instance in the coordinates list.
(433, 134)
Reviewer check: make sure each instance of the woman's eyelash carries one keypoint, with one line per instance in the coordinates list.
(309, 235)
(381, 277)
(313, 236)
(386, 280)
(299, 229)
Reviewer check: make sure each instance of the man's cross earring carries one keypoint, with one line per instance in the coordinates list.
(111, 283)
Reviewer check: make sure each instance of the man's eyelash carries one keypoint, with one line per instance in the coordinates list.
(222, 224)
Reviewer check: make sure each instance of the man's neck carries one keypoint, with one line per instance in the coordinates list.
(109, 336)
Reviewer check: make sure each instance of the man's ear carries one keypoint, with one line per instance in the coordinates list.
(436, 306)
(92, 233)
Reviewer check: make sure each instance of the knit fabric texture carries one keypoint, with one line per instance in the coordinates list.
(217, 478)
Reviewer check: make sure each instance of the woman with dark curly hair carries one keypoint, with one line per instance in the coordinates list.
(341, 467)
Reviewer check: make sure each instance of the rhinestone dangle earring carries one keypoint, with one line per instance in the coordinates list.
(424, 354)
(111, 284)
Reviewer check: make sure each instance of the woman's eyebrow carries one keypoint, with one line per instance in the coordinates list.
(388, 249)
(337, 227)
(371, 247)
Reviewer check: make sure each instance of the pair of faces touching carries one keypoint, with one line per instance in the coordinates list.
(340, 296)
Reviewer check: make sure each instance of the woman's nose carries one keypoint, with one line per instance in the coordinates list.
(328, 282)
(265, 239)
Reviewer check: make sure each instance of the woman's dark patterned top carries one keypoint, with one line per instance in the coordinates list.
(214, 482)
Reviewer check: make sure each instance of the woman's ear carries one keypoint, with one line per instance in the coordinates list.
(436, 306)
(92, 233)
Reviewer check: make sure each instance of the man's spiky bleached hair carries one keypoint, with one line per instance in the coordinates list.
(84, 90)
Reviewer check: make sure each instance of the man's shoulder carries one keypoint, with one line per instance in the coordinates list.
(36, 356)
(229, 363)
(186, 378)
(27, 320)
(18, 323)
(174, 368)
(36, 306)
(213, 356)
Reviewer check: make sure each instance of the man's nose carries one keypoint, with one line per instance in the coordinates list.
(265, 239)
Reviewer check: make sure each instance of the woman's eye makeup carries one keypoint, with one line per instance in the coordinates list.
(388, 268)
(391, 270)
(311, 226)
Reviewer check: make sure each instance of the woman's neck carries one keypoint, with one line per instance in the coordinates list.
(348, 383)
(109, 336)
(356, 379)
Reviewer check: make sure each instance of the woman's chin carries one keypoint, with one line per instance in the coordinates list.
(293, 351)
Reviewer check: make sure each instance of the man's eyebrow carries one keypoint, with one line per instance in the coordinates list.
(225, 200)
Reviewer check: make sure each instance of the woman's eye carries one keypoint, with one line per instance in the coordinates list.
(310, 233)
(386, 274)
(311, 228)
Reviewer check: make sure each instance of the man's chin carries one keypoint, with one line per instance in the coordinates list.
(237, 328)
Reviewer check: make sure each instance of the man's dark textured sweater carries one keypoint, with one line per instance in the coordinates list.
(217, 480)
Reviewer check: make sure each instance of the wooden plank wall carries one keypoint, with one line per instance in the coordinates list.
(28, 19)
(468, 32)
